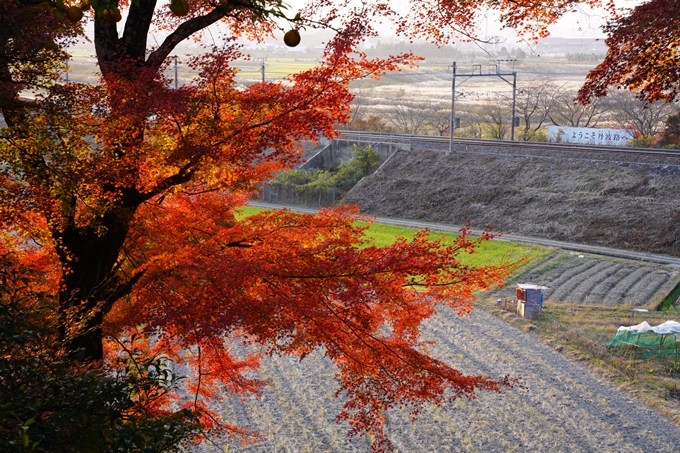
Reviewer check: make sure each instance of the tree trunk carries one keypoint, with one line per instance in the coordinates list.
(91, 281)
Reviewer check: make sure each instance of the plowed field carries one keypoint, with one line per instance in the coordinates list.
(565, 407)
(585, 278)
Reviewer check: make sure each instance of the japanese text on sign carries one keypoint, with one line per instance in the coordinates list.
(586, 135)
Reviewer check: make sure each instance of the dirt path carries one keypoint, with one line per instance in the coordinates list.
(590, 275)
(565, 407)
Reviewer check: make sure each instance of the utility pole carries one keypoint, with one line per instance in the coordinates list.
(494, 70)
(452, 122)
(262, 60)
(514, 98)
(514, 93)
(176, 76)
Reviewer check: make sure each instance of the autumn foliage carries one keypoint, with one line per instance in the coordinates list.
(642, 55)
(121, 198)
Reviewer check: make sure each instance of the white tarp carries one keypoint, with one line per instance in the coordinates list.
(666, 327)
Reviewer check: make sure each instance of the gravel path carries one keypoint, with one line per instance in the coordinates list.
(565, 407)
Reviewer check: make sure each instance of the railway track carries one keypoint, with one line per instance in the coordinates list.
(443, 142)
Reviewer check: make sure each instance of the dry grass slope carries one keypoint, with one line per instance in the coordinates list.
(628, 205)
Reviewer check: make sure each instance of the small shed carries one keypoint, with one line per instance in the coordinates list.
(530, 300)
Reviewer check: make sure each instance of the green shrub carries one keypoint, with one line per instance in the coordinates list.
(641, 141)
(534, 136)
(341, 177)
(50, 404)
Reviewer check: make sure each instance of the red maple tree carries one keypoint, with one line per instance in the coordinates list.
(125, 191)
(128, 189)
(642, 54)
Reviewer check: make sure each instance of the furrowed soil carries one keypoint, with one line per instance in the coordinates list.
(562, 407)
(597, 280)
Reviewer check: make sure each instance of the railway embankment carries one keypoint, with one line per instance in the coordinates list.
(606, 198)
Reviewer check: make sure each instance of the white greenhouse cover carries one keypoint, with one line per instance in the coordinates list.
(666, 327)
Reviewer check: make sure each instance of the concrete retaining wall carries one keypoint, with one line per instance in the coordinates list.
(343, 151)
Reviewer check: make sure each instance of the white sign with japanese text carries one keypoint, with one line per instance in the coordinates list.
(589, 135)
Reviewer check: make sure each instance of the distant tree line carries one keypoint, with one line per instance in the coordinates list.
(585, 57)
(538, 105)
(423, 49)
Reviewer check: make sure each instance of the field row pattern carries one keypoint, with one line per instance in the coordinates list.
(597, 280)
(562, 407)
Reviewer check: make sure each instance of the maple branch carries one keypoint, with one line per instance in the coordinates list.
(358, 335)
(200, 192)
(184, 174)
(293, 108)
(185, 30)
(304, 313)
(137, 261)
(368, 334)
(431, 285)
(106, 43)
(129, 353)
(324, 277)
(121, 291)
(137, 27)
(200, 376)
(243, 243)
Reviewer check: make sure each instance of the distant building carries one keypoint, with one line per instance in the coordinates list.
(563, 46)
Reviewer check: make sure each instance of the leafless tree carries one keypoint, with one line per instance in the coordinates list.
(440, 119)
(647, 119)
(497, 117)
(409, 115)
(358, 106)
(472, 124)
(534, 105)
(567, 112)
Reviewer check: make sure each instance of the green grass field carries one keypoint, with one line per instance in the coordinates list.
(84, 68)
(489, 253)
(275, 68)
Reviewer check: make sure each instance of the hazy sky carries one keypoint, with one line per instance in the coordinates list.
(585, 23)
